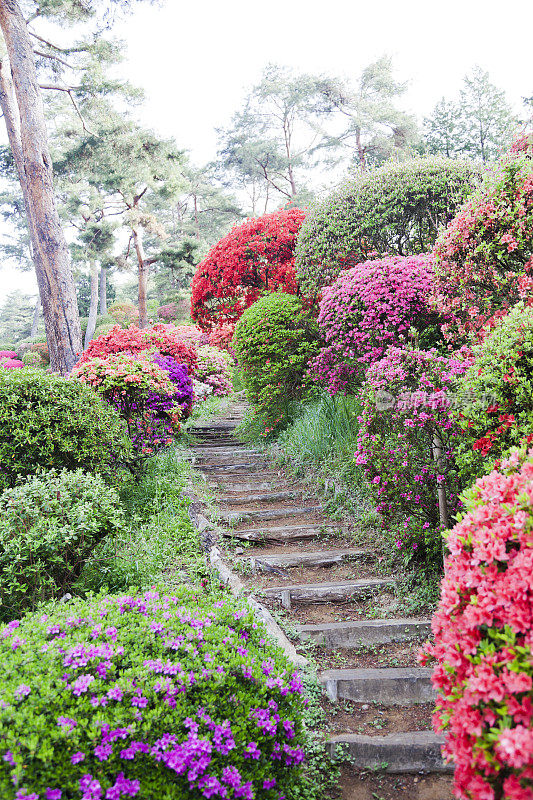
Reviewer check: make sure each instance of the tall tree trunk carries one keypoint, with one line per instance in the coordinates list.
(36, 315)
(26, 130)
(143, 276)
(93, 306)
(196, 216)
(103, 290)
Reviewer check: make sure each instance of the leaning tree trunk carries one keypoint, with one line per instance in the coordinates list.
(143, 276)
(36, 315)
(28, 139)
(93, 307)
(103, 290)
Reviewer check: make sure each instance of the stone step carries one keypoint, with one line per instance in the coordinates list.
(320, 558)
(278, 513)
(247, 486)
(227, 461)
(225, 452)
(365, 632)
(391, 686)
(236, 467)
(271, 497)
(329, 592)
(278, 534)
(418, 751)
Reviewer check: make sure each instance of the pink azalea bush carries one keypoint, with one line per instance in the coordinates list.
(222, 336)
(153, 695)
(406, 401)
(11, 363)
(483, 631)
(484, 258)
(169, 312)
(214, 369)
(369, 307)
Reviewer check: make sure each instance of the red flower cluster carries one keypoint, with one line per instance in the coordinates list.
(254, 257)
(483, 632)
(165, 339)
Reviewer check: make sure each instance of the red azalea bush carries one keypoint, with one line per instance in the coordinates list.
(254, 257)
(484, 259)
(191, 335)
(406, 402)
(369, 307)
(164, 338)
(222, 336)
(483, 631)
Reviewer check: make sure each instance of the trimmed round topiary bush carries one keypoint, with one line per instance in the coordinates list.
(498, 394)
(368, 308)
(254, 257)
(152, 696)
(52, 422)
(407, 401)
(274, 340)
(396, 209)
(484, 259)
(49, 526)
(483, 637)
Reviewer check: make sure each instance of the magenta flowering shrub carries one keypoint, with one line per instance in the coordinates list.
(369, 307)
(214, 369)
(10, 361)
(406, 403)
(483, 631)
(149, 696)
(8, 354)
(179, 375)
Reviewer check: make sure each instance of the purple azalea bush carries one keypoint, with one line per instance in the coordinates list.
(179, 375)
(149, 696)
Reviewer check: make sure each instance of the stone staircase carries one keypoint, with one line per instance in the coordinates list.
(294, 558)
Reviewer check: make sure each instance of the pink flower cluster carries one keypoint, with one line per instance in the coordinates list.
(483, 631)
(369, 307)
(9, 360)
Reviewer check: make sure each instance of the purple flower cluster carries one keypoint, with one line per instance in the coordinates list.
(179, 375)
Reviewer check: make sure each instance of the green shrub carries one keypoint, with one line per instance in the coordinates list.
(160, 696)
(497, 394)
(274, 341)
(32, 359)
(53, 422)
(395, 210)
(49, 526)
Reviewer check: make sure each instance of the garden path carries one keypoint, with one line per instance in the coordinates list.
(339, 610)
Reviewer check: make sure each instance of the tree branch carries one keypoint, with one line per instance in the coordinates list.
(55, 58)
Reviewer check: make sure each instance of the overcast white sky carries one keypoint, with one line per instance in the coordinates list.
(195, 60)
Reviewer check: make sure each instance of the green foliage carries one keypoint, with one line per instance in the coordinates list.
(274, 341)
(52, 422)
(187, 677)
(49, 525)
(497, 393)
(32, 359)
(394, 210)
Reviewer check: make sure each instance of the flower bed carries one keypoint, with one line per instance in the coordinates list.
(152, 696)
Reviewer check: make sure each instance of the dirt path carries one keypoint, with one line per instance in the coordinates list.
(334, 599)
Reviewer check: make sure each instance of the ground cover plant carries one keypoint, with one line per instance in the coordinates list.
(49, 526)
(406, 413)
(393, 210)
(274, 341)
(254, 257)
(369, 307)
(140, 695)
(484, 258)
(48, 421)
(483, 637)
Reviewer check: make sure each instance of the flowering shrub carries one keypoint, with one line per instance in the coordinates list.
(164, 338)
(178, 374)
(484, 259)
(201, 390)
(214, 368)
(169, 313)
(274, 341)
(191, 335)
(498, 392)
(32, 359)
(124, 314)
(405, 404)
(42, 349)
(396, 209)
(148, 696)
(140, 390)
(49, 526)
(483, 637)
(254, 257)
(11, 363)
(222, 336)
(373, 305)
(49, 421)
(7, 354)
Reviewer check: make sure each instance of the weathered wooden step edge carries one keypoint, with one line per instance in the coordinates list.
(329, 592)
(320, 558)
(279, 534)
(417, 751)
(365, 632)
(404, 686)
